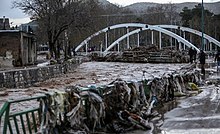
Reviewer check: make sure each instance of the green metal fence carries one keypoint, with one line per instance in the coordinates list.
(25, 121)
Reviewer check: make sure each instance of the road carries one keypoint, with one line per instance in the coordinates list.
(195, 115)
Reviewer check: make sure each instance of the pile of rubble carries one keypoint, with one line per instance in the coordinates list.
(115, 108)
(150, 54)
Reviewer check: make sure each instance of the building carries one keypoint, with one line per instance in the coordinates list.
(17, 48)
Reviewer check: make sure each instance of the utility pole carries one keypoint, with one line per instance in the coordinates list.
(202, 26)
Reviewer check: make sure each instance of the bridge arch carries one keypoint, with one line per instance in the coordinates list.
(125, 25)
(209, 38)
(156, 28)
(140, 25)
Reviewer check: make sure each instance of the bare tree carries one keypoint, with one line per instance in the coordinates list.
(56, 16)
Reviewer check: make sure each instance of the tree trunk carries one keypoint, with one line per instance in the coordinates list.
(58, 50)
(69, 50)
(51, 46)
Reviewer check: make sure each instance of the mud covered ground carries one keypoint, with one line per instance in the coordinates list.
(197, 114)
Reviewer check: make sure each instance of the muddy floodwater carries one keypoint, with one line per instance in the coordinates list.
(198, 114)
(93, 73)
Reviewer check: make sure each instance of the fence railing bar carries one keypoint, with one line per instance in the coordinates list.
(22, 124)
(28, 123)
(16, 124)
(26, 99)
(39, 114)
(7, 108)
(24, 112)
(10, 128)
(34, 122)
(3, 109)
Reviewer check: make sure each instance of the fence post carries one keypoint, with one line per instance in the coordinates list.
(7, 107)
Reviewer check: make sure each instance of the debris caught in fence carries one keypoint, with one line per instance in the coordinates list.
(115, 108)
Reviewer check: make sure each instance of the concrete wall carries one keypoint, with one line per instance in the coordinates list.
(27, 77)
(21, 45)
(10, 41)
(5, 63)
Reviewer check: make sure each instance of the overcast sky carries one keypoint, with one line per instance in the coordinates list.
(17, 16)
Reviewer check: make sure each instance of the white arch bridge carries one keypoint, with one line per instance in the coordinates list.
(123, 36)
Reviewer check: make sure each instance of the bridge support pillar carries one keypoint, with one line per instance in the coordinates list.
(205, 46)
(106, 40)
(146, 38)
(118, 47)
(180, 45)
(190, 38)
(128, 45)
(160, 40)
(210, 43)
(101, 47)
(152, 37)
(138, 39)
(184, 36)
(86, 48)
(171, 43)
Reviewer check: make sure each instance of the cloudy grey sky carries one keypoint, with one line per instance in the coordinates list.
(17, 16)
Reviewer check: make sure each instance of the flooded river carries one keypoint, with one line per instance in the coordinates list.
(195, 115)
(93, 73)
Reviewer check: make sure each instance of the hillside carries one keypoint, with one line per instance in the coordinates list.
(141, 6)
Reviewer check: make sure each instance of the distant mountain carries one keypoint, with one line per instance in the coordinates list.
(212, 7)
(107, 5)
(142, 6)
(104, 2)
